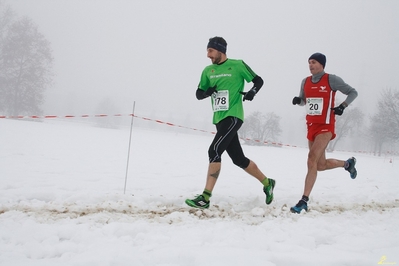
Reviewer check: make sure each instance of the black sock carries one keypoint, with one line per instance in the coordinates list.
(305, 198)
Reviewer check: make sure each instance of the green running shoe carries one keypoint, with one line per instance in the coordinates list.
(269, 191)
(198, 202)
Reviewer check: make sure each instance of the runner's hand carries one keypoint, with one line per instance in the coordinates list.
(296, 100)
(248, 95)
(338, 110)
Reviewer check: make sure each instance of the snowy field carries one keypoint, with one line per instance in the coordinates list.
(62, 202)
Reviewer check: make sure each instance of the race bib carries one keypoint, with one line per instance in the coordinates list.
(221, 101)
(314, 106)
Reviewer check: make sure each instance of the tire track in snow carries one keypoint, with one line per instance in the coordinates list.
(126, 211)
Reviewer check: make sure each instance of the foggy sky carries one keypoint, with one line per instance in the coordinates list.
(152, 52)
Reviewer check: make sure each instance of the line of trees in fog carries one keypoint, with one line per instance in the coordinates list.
(377, 134)
(260, 129)
(25, 64)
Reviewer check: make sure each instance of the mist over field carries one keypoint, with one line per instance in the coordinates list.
(109, 54)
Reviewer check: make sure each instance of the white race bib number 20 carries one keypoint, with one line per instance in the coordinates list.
(314, 106)
(221, 101)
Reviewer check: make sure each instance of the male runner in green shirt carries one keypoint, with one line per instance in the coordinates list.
(223, 81)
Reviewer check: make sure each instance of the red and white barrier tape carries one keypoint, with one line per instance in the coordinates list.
(56, 116)
(97, 116)
(141, 117)
(166, 123)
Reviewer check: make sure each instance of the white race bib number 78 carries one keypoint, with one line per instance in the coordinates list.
(221, 101)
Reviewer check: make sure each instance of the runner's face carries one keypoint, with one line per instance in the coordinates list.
(214, 55)
(315, 67)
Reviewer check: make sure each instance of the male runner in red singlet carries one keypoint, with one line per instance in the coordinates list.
(318, 94)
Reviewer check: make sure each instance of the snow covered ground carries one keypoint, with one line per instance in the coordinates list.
(62, 202)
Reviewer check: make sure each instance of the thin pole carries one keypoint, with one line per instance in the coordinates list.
(128, 151)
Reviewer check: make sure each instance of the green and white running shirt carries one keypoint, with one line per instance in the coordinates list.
(228, 78)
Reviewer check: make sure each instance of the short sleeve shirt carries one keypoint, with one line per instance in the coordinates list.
(228, 78)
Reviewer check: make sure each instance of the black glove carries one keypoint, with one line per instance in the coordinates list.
(249, 95)
(210, 91)
(296, 100)
(339, 110)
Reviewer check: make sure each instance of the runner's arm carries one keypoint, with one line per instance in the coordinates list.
(200, 94)
(301, 95)
(258, 83)
(338, 83)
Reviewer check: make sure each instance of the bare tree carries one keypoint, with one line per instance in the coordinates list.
(384, 128)
(25, 66)
(259, 128)
(377, 133)
(388, 107)
(346, 124)
(6, 17)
